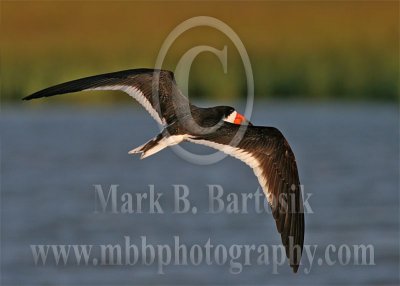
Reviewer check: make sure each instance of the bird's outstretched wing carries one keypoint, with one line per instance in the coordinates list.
(268, 153)
(155, 90)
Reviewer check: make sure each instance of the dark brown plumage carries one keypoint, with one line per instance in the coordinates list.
(278, 165)
(264, 149)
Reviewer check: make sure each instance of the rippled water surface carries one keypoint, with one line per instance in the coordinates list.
(348, 158)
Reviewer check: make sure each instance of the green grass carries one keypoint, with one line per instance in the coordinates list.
(305, 50)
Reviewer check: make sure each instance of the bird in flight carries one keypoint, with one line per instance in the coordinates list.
(264, 149)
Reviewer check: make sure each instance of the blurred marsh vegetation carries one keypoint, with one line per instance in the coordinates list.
(314, 50)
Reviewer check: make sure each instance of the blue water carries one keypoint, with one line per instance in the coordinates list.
(348, 159)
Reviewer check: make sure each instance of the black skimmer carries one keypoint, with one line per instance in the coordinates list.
(264, 149)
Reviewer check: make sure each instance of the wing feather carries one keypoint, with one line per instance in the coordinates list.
(267, 152)
(155, 90)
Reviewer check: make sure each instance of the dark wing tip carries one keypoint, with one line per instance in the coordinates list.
(29, 97)
(295, 267)
(292, 234)
(39, 94)
(94, 81)
(54, 90)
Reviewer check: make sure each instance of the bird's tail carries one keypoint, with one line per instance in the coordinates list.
(156, 144)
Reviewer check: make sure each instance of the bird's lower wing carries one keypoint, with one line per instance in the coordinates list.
(267, 152)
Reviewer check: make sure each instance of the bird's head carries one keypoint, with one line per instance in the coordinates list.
(234, 117)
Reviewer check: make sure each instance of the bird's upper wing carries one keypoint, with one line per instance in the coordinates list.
(155, 90)
(268, 153)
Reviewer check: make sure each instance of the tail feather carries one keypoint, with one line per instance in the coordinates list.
(156, 144)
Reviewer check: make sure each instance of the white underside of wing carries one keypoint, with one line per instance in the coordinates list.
(136, 94)
(243, 156)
